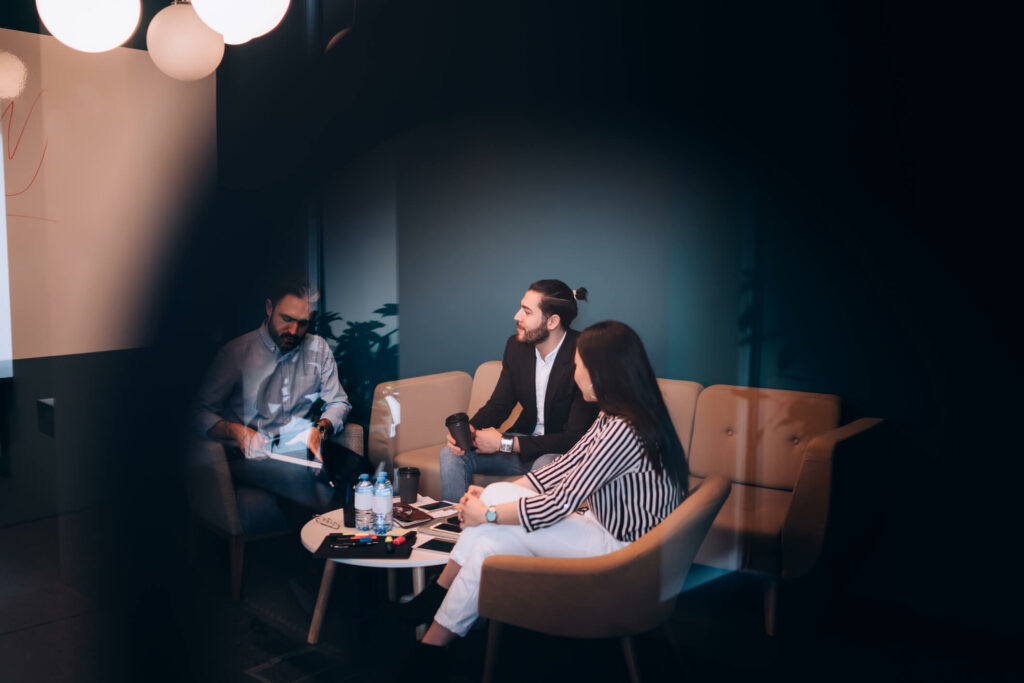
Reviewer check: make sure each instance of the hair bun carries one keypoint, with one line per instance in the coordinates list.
(580, 293)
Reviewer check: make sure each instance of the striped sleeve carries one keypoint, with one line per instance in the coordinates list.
(608, 454)
(546, 477)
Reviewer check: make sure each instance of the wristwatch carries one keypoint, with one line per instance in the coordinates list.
(322, 427)
(506, 444)
(491, 515)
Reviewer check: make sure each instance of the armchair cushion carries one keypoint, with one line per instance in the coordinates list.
(746, 534)
(757, 436)
(484, 380)
(426, 459)
(681, 400)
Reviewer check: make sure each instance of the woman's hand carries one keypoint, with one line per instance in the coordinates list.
(471, 511)
(474, 491)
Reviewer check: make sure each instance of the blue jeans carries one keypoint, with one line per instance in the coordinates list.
(457, 470)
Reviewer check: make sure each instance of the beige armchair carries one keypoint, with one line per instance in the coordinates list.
(407, 419)
(619, 595)
(779, 450)
(238, 513)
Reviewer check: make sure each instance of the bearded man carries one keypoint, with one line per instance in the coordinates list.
(536, 372)
(275, 391)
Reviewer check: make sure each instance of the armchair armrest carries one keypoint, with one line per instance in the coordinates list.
(409, 414)
(557, 595)
(351, 437)
(803, 531)
(211, 493)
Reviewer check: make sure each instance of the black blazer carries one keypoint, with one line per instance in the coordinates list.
(566, 415)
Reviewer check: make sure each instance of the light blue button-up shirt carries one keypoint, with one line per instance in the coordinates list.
(251, 382)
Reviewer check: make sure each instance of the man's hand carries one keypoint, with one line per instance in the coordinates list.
(488, 440)
(471, 511)
(312, 438)
(313, 443)
(451, 442)
(252, 443)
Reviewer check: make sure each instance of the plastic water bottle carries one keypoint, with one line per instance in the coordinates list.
(383, 504)
(364, 503)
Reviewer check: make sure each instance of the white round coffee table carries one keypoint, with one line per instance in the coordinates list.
(313, 534)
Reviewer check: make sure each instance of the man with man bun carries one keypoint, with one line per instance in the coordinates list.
(536, 372)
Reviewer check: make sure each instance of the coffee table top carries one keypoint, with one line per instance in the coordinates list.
(314, 533)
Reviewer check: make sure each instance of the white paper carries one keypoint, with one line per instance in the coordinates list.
(313, 464)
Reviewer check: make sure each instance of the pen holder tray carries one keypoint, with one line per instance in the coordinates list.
(346, 546)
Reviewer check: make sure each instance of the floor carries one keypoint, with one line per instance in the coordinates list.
(182, 626)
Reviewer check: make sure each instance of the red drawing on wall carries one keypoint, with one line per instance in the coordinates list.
(13, 145)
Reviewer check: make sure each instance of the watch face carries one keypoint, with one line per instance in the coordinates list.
(491, 515)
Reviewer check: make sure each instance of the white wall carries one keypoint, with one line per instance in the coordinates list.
(103, 151)
(6, 351)
(102, 156)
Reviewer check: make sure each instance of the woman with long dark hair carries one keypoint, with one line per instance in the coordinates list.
(629, 467)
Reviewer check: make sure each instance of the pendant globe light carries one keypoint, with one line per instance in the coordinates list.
(240, 21)
(181, 45)
(13, 76)
(90, 25)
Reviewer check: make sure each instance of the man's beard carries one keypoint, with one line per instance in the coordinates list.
(536, 336)
(285, 342)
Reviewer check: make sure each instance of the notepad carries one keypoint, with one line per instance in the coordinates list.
(406, 515)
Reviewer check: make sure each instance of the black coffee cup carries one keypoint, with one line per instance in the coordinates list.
(408, 483)
(458, 427)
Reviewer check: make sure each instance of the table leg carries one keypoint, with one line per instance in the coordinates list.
(419, 581)
(321, 602)
(392, 585)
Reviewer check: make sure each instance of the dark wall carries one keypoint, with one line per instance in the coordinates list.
(488, 204)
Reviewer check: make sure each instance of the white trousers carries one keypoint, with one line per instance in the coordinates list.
(574, 536)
